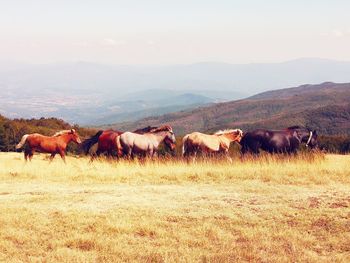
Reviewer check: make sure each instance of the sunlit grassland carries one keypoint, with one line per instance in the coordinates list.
(269, 209)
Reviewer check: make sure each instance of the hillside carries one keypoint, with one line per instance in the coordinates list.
(324, 107)
(91, 94)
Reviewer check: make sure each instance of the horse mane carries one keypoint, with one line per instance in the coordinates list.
(221, 132)
(145, 130)
(162, 128)
(294, 127)
(62, 132)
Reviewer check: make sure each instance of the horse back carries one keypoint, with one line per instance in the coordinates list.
(204, 141)
(107, 140)
(45, 143)
(139, 143)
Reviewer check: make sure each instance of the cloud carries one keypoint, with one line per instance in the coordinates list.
(151, 42)
(109, 42)
(338, 33)
(81, 44)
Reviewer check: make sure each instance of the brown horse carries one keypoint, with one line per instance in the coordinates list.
(146, 144)
(55, 144)
(107, 141)
(209, 144)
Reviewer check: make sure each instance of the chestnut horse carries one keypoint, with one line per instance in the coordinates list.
(146, 144)
(209, 144)
(55, 144)
(107, 141)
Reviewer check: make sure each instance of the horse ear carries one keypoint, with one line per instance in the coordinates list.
(315, 132)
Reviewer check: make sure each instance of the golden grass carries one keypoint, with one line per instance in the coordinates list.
(271, 209)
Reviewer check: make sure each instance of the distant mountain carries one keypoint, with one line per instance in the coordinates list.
(325, 107)
(326, 87)
(91, 93)
(134, 110)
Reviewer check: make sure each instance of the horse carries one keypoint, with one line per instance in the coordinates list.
(278, 141)
(107, 141)
(55, 144)
(306, 136)
(146, 144)
(210, 144)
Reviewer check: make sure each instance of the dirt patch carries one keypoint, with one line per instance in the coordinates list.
(339, 205)
(314, 202)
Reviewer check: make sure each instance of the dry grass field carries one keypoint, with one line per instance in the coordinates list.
(264, 210)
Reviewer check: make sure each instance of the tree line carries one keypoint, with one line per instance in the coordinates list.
(11, 132)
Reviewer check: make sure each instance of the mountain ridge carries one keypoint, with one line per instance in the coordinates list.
(278, 110)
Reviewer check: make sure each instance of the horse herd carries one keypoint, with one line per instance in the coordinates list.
(145, 142)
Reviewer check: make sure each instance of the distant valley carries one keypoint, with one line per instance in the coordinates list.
(94, 94)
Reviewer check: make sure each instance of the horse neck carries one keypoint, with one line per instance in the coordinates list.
(160, 136)
(230, 137)
(305, 134)
(226, 138)
(66, 138)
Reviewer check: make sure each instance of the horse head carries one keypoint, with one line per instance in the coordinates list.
(170, 144)
(169, 138)
(239, 134)
(234, 134)
(74, 136)
(305, 135)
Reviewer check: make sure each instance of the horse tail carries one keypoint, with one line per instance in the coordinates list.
(88, 143)
(244, 144)
(119, 146)
(22, 142)
(184, 145)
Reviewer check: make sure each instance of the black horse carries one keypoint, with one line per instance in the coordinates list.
(281, 141)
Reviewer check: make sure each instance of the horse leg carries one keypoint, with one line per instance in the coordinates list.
(30, 154)
(155, 154)
(127, 152)
(131, 154)
(119, 153)
(109, 155)
(256, 150)
(52, 156)
(150, 153)
(98, 153)
(229, 159)
(63, 156)
(26, 154)
(194, 156)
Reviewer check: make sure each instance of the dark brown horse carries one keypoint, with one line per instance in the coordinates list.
(55, 144)
(107, 141)
(278, 141)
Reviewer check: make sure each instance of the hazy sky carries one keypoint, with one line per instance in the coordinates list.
(177, 31)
